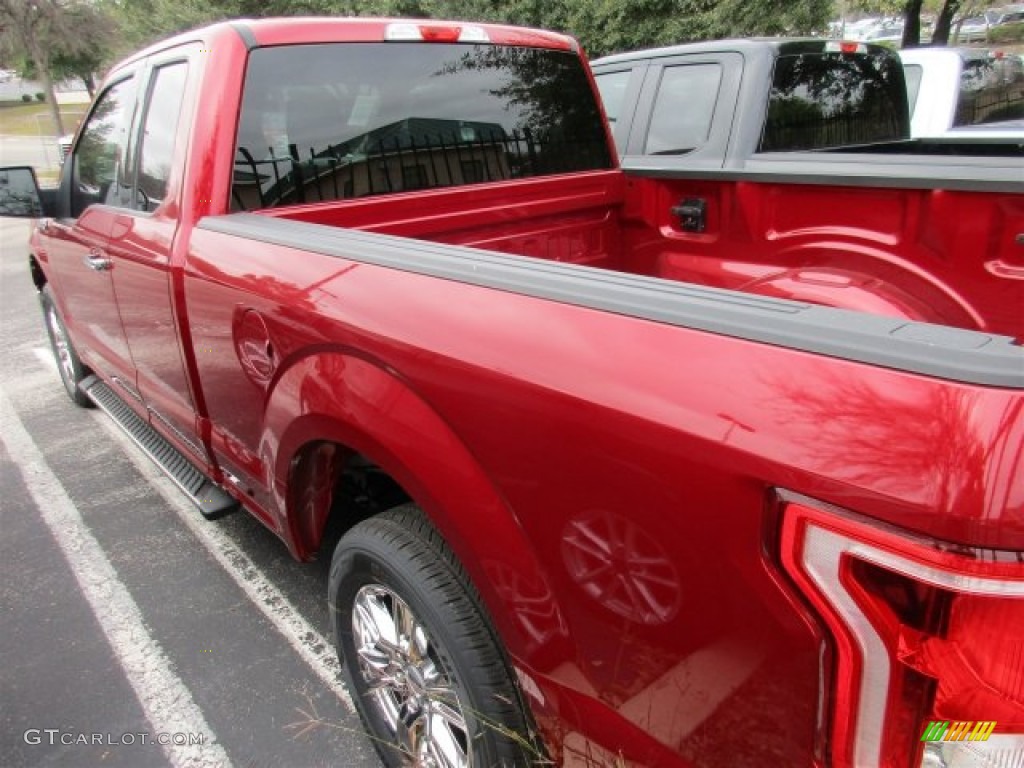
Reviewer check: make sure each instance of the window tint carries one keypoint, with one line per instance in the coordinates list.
(683, 109)
(156, 150)
(99, 171)
(322, 122)
(821, 100)
(991, 90)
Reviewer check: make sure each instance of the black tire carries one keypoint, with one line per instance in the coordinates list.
(398, 559)
(69, 365)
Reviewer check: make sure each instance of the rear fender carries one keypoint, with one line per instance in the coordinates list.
(348, 401)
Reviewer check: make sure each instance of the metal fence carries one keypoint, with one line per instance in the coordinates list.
(401, 164)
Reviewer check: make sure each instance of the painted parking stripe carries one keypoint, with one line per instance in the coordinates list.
(311, 646)
(45, 356)
(167, 703)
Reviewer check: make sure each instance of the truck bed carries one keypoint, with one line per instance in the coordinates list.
(910, 253)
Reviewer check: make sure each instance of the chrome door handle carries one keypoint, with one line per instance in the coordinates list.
(96, 259)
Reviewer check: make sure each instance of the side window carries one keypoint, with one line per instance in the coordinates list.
(612, 87)
(99, 173)
(156, 149)
(683, 108)
(913, 74)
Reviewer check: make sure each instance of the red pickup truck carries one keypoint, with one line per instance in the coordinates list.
(387, 276)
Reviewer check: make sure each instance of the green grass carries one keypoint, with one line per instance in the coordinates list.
(35, 119)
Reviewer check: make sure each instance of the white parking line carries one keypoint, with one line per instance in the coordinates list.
(45, 356)
(167, 703)
(311, 646)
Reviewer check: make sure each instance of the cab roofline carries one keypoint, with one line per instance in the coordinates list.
(309, 30)
(298, 30)
(773, 46)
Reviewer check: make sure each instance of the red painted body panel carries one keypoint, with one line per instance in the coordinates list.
(573, 218)
(904, 252)
(86, 295)
(650, 472)
(608, 482)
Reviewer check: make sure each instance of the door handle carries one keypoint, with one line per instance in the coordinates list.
(97, 260)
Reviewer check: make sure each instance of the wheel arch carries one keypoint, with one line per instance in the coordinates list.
(865, 277)
(330, 410)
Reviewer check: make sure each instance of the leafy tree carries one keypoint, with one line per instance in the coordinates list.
(97, 29)
(603, 26)
(55, 39)
(31, 30)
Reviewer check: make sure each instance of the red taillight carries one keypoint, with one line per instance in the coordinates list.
(843, 46)
(921, 634)
(438, 34)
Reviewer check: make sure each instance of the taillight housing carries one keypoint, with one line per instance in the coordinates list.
(927, 641)
(435, 32)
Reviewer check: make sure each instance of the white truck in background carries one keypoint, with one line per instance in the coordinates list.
(964, 93)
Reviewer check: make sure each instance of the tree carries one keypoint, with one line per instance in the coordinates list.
(31, 28)
(912, 24)
(944, 22)
(36, 29)
(602, 26)
(95, 25)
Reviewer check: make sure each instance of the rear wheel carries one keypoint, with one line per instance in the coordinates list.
(430, 681)
(69, 365)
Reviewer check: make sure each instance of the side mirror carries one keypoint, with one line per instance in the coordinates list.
(20, 195)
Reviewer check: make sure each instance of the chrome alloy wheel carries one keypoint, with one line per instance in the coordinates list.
(60, 344)
(414, 695)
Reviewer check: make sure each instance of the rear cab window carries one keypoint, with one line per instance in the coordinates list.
(339, 121)
(827, 99)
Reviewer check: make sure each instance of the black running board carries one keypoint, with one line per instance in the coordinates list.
(212, 500)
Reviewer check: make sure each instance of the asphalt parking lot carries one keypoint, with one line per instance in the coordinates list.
(135, 633)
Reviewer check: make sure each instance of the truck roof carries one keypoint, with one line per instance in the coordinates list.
(298, 30)
(770, 46)
(952, 54)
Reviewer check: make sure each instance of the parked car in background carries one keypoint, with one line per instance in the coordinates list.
(885, 31)
(970, 93)
(972, 30)
(1010, 14)
(853, 30)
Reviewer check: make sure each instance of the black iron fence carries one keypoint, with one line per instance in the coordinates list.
(400, 164)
